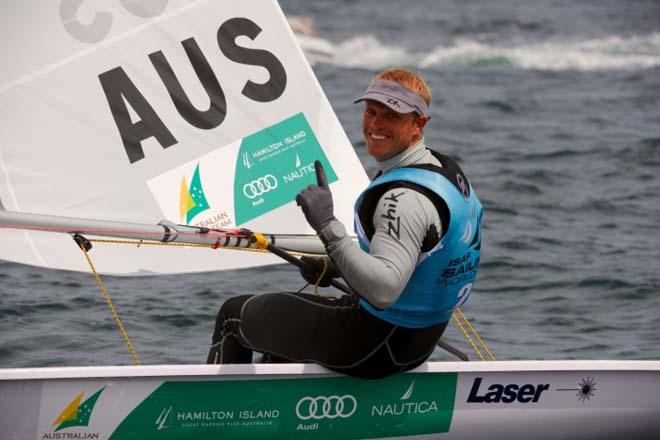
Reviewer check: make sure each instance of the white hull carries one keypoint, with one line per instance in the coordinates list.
(448, 400)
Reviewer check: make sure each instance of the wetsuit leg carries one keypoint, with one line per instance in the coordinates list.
(226, 348)
(340, 335)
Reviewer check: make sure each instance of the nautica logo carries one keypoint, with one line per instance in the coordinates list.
(76, 413)
(408, 392)
(192, 200)
(404, 405)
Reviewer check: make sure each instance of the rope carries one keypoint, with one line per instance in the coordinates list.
(474, 331)
(115, 315)
(460, 316)
(467, 336)
(261, 244)
(140, 243)
(318, 281)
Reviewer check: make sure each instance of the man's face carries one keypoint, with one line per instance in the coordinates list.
(387, 132)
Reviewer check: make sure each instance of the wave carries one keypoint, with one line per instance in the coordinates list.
(608, 53)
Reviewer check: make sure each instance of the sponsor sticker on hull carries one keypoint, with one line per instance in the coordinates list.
(337, 408)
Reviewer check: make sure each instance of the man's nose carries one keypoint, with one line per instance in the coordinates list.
(376, 121)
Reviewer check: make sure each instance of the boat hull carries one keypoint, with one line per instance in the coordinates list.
(448, 400)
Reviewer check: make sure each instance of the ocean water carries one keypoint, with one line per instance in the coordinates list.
(552, 107)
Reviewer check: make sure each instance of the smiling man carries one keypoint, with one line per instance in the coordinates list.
(418, 227)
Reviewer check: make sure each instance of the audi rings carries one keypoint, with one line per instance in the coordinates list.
(323, 407)
(260, 186)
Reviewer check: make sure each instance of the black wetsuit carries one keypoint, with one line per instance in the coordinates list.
(340, 334)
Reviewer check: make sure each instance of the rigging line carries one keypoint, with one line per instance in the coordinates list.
(101, 231)
(474, 331)
(140, 243)
(325, 269)
(131, 348)
(467, 336)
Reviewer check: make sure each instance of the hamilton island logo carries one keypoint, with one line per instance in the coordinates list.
(586, 389)
(76, 413)
(192, 198)
(164, 420)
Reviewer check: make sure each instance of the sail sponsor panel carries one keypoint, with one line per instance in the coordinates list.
(266, 170)
(275, 165)
(100, 98)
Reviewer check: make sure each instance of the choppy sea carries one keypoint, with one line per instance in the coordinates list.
(553, 109)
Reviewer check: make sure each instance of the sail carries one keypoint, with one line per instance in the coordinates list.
(199, 112)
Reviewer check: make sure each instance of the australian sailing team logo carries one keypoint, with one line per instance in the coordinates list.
(192, 199)
(77, 413)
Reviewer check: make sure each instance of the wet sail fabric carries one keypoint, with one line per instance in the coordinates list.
(203, 113)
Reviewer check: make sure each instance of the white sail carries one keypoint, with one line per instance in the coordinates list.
(203, 113)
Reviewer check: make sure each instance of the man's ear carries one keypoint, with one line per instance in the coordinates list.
(421, 121)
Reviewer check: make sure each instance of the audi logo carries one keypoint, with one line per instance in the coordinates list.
(323, 407)
(260, 186)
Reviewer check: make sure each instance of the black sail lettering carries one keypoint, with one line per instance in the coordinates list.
(206, 119)
(227, 34)
(119, 90)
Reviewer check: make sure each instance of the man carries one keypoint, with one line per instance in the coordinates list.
(418, 227)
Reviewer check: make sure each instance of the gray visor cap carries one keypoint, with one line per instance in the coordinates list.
(395, 96)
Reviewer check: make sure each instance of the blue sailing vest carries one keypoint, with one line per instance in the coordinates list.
(447, 268)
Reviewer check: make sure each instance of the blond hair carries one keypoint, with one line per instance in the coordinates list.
(408, 79)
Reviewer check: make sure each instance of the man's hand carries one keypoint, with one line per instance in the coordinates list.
(316, 201)
(317, 271)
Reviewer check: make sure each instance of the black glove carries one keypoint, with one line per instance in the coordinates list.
(312, 268)
(316, 201)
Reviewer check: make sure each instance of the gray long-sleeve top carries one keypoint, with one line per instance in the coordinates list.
(402, 219)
